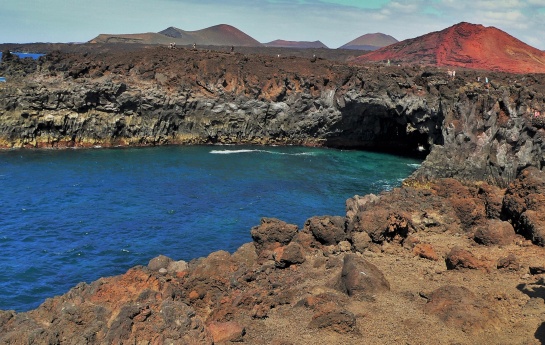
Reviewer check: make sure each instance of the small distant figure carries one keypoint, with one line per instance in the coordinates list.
(313, 59)
(388, 62)
(478, 79)
(194, 46)
(486, 80)
(453, 74)
(232, 49)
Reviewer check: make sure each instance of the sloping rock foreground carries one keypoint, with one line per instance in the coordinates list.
(424, 264)
(476, 126)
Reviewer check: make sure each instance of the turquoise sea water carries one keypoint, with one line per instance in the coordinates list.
(76, 215)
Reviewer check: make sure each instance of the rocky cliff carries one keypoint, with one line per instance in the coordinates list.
(474, 129)
(437, 261)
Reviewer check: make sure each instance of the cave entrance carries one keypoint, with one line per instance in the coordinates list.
(376, 128)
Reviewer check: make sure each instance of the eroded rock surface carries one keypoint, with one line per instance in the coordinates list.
(155, 96)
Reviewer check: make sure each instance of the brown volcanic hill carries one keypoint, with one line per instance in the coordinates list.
(295, 44)
(465, 45)
(370, 42)
(218, 35)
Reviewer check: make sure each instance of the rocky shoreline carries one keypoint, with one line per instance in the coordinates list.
(454, 256)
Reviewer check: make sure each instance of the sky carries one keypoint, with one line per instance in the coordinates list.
(333, 22)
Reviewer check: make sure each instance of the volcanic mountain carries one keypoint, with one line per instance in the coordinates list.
(465, 45)
(295, 44)
(370, 42)
(218, 35)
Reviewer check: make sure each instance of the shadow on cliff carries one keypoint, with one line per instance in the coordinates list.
(381, 128)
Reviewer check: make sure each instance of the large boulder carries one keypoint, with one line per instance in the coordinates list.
(459, 258)
(361, 279)
(328, 230)
(496, 232)
(226, 331)
(272, 233)
(159, 262)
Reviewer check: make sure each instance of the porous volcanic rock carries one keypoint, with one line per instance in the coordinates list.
(524, 204)
(155, 95)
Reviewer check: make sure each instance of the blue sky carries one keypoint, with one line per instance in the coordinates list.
(334, 22)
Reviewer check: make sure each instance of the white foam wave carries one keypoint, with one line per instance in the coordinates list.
(228, 152)
(414, 165)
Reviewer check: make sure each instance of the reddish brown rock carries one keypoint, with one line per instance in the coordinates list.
(470, 210)
(226, 331)
(459, 258)
(426, 251)
(496, 232)
(385, 225)
(463, 45)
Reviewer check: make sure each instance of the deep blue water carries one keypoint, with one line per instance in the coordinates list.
(76, 215)
(25, 55)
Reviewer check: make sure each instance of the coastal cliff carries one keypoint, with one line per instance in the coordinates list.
(452, 256)
(473, 129)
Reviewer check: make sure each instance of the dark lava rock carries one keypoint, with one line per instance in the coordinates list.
(328, 230)
(272, 232)
(286, 256)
